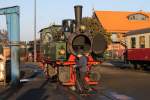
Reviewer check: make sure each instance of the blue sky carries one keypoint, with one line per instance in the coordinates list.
(54, 11)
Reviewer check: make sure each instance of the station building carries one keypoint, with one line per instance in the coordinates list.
(121, 25)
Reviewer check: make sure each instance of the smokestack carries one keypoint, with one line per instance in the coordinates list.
(78, 16)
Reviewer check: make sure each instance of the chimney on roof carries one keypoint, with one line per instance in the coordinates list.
(140, 10)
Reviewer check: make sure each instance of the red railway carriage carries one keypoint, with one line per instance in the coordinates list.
(138, 48)
(138, 56)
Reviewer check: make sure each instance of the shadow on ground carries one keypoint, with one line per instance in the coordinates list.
(35, 93)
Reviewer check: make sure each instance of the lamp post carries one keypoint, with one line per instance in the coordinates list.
(34, 30)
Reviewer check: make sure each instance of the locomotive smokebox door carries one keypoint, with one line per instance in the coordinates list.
(99, 44)
(79, 42)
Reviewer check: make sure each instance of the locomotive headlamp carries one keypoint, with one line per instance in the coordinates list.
(62, 52)
(82, 28)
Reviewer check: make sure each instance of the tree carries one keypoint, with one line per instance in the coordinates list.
(51, 33)
(55, 30)
(93, 26)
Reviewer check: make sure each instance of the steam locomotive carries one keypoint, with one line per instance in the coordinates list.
(59, 56)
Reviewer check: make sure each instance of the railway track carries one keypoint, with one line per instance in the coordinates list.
(102, 92)
(108, 97)
(100, 95)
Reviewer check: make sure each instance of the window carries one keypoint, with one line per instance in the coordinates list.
(149, 41)
(143, 18)
(138, 17)
(134, 18)
(133, 42)
(142, 41)
(114, 37)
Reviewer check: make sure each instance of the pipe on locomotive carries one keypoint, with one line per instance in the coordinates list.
(78, 16)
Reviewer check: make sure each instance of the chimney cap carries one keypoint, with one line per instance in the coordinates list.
(78, 6)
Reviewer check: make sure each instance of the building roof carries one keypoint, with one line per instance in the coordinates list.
(117, 21)
(139, 31)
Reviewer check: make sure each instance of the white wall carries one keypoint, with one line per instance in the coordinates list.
(147, 40)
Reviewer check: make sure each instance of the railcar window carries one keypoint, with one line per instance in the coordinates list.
(1, 49)
(142, 41)
(133, 42)
(149, 41)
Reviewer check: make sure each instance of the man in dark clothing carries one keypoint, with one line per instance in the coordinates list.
(81, 71)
